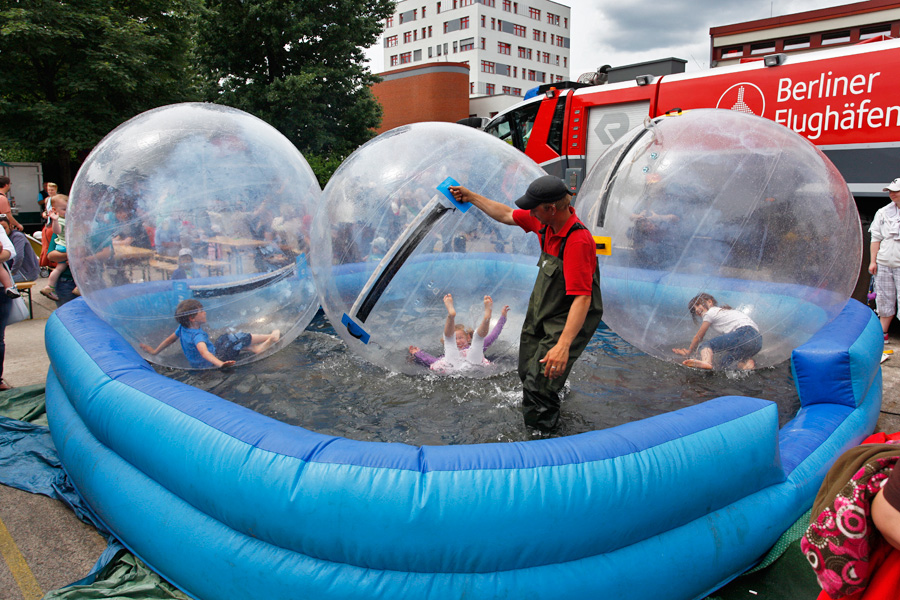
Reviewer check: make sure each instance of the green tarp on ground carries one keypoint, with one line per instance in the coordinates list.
(122, 577)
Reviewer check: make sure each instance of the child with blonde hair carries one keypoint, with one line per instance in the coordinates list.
(59, 203)
(463, 348)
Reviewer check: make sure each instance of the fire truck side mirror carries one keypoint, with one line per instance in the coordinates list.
(774, 60)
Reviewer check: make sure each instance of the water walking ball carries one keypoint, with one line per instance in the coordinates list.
(727, 204)
(195, 201)
(390, 243)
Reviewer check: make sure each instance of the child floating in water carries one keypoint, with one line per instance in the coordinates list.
(462, 350)
(196, 344)
(738, 343)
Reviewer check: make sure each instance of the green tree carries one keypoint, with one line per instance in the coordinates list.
(298, 65)
(73, 71)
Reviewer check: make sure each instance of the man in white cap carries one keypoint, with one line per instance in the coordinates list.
(884, 261)
(565, 306)
(185, 268)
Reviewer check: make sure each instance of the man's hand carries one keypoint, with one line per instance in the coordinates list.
(555, 360)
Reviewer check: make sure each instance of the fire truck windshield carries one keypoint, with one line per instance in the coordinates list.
(514, 127)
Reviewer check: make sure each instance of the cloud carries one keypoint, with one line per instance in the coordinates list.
(645, 26)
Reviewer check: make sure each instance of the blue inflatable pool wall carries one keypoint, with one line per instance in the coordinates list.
(227, 503)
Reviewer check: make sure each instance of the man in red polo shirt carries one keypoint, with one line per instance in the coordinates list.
(565, 306)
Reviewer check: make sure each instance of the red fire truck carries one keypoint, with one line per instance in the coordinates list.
(845, 100)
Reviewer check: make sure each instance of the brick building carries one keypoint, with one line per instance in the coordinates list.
(428, 92)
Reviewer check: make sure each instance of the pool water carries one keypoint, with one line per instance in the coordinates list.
(318, 384)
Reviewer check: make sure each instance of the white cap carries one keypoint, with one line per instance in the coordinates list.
(185, 252)
(893, 186)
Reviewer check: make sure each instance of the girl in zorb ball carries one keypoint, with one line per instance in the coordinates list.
(739, 340)
(462, 349)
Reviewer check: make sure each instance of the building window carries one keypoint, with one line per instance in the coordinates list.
(429, 31)
(524, 52)
(405, 58)
(732, 52)
(438, 49)
(867, 33)
(493, 23)
(439, 8)
(795, 43)
(515, 72)
(407, 37)
(507, 5)
(471, 87)
(430, 51)
(389, 22)
(390, 41)
(534, 13)
(536, 35)
(483, 43)
(483, 21)
(519, 30)
(464, 22)
(466, 45)
(546, 57)
(394, 61)
(489, 3)
(560, 41)
(454, 48)
(553, 19)
(532, 75)
(835, 37)
(489, 89)
(565, 21)
(762, 48)
(487, 66)
(465, 2)
(423, 12)
(504, 48)
(565, 62)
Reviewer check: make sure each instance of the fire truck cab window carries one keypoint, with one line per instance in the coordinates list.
(515, 127)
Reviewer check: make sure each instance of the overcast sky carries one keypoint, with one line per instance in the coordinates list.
(622, 32)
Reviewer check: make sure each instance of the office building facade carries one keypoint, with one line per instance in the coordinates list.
(509, 46)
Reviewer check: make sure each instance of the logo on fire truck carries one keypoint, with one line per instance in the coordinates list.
(743, 97)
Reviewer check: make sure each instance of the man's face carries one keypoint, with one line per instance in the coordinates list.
(543, 212)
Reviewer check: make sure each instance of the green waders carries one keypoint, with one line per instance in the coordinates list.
(545, 320)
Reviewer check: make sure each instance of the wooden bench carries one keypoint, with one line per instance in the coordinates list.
(166, 267)
(24, 287)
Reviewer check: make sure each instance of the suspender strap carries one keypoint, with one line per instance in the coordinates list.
(562, 247)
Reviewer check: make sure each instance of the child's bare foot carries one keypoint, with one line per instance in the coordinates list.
(747, 365)
(505, 310)
(448, 302)
(50, 293)
(697, 364)
(275, 336)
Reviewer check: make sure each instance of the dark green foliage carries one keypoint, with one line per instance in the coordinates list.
(73, 71)
(299, 65)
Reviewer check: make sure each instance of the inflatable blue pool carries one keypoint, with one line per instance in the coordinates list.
(226, 503)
